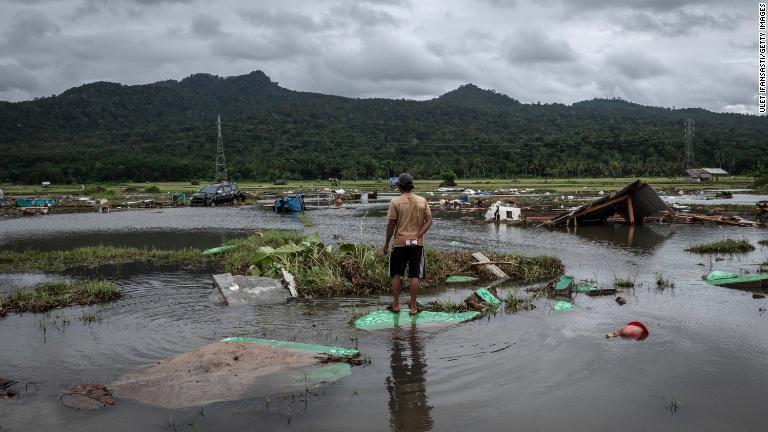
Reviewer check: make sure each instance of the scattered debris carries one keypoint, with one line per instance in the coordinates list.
(460, 279)
(621, 301)
(5, 388)
(732, 280)
(562, 305)
(597, 292)
(242, 290)
(758, 296)
(633, 330)
(634, 203)
(88, 397)
(211, 373)
(483, 299)
(486, 265)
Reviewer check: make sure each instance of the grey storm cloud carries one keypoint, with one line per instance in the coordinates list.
(15, 77)
(536, 46)
(279, 18)
(206, 26)
(30, 23)
(648, 5)
(659, 52)
(636, 65)
(678, 23)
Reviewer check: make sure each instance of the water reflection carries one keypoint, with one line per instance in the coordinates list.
(642, 238)
(408, 406)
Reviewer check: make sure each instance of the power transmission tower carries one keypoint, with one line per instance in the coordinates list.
(221, 160)
(689, 163)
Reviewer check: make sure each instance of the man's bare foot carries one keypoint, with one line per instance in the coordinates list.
(394, 308)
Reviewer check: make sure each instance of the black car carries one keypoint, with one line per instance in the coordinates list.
(215, 194)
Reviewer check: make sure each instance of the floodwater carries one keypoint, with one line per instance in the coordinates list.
(701, 369)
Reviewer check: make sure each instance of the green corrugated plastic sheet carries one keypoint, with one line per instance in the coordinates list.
(715, 275)
(585, 287)
(217, 250)
(736, 280)
(459, 278)
(563, 283)
(488, 296)
(562, 306)
(319, 349)
(385, 319)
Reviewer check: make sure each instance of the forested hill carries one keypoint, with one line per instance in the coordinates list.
(167, 131)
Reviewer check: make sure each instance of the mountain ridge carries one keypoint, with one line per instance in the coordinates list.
(166, 131)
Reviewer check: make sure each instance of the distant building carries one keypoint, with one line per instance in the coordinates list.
(703, 174)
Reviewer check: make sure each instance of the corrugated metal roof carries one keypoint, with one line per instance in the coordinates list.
(715, 171)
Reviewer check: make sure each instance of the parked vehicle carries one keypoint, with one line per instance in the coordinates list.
(215, 194)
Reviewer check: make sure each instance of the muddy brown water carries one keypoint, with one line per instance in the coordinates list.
(702, 368)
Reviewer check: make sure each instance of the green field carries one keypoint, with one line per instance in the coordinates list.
(570, 185)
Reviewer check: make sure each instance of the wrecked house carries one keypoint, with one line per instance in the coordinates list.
(635, 202)
(703, 174)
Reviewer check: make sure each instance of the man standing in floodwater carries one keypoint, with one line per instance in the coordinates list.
(409, 219)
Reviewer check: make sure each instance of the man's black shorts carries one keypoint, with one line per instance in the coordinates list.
(412, 256)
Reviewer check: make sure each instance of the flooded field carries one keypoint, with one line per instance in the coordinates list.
(702, 368)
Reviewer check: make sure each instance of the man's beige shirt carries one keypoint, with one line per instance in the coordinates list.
(410, 211)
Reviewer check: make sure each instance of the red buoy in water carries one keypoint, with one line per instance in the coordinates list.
(633, 330)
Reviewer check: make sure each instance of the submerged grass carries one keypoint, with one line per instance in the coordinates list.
(513, 303)
(446, 306)
(663, 283)
(94, 256)
(361, 269)
(623, 283)
(51, 295)
(723, 246)
(763, 242)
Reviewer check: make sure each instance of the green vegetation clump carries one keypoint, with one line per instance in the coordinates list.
(623, 283)
(359, 269)
(723, 246)
(152, 189)
(663, 283)
(446, 306)
(513, 303)
(763, 242)
(51, 295)
(95, 256)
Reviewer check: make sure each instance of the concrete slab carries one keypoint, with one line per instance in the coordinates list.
(246, 290)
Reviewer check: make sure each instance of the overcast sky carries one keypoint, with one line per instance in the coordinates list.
(683, 53)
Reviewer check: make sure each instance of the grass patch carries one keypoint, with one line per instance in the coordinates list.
(623, 283)
(94, 256)
(763, 242)
(513, 303)
(51, 295)
(446, 306)
(360, 269)
(662, 283)
(723, 246)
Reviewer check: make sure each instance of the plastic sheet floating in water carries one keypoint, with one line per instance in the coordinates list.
(460, 279)
(561, 306)
(231, 370)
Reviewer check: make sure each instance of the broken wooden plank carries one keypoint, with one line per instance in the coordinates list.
(291, 281)
(247, 290)
(490, 267)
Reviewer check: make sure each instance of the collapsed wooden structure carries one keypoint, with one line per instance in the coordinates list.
(634, 203)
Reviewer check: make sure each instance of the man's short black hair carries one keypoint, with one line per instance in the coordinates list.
(406, 187)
